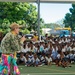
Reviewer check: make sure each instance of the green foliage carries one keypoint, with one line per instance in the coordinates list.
(51, 25)
(69, 20)
(21, 13)
(25, 31)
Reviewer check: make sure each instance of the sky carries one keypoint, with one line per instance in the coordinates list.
(53, 12)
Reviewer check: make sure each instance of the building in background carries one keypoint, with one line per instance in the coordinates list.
(46, 31)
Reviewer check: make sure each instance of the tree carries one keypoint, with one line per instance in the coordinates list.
(51, 25)
(21, 13)
(69, 20)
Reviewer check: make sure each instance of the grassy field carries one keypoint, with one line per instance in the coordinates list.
(47, 70)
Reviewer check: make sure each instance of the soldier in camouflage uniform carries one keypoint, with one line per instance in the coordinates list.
(12, 42)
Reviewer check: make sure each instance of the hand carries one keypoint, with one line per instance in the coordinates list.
(23, 39)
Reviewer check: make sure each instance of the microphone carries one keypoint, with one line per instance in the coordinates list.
(21, 34)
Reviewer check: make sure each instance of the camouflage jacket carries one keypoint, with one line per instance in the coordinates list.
(10, 43)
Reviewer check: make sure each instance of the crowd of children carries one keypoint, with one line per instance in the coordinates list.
(60, 51)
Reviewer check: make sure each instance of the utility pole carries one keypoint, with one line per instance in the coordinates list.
(38, 2)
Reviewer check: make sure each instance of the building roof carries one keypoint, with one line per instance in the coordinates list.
(44, 1)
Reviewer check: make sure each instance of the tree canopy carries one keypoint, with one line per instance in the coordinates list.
(21, 13)
(51, 25)
(69, 20)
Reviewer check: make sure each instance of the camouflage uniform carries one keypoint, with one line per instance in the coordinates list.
(10, 43)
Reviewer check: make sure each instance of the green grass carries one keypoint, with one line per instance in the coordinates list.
(47, 70)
